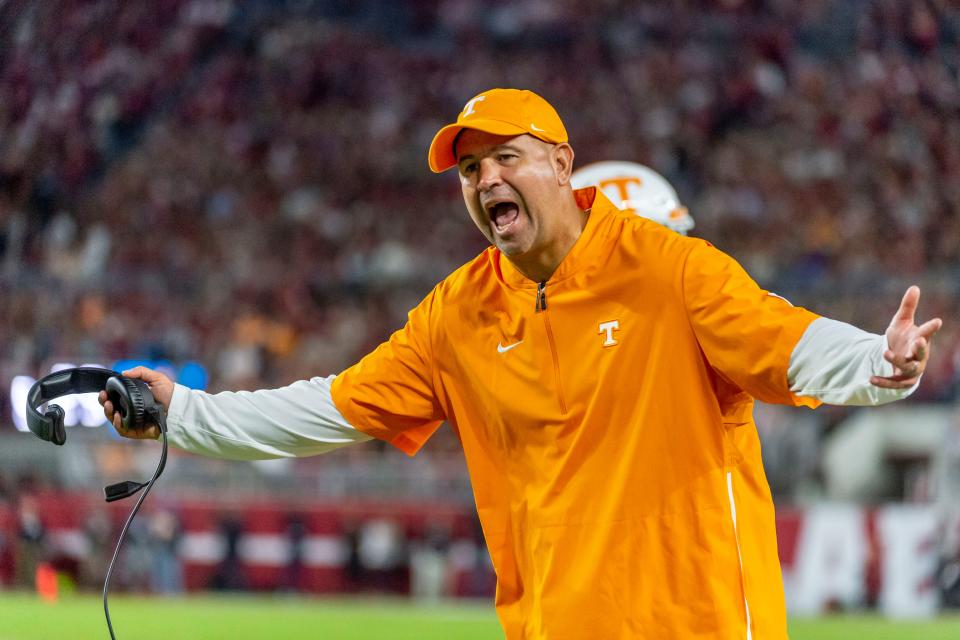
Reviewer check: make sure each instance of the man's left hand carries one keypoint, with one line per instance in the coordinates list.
(909, 345)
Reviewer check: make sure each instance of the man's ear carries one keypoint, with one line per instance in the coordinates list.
(562, 158)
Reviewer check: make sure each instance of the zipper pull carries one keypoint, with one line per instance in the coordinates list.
(541, 302)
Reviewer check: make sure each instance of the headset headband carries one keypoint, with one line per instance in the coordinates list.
(49, 425)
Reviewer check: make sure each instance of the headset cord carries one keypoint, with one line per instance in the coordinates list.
(124, 490)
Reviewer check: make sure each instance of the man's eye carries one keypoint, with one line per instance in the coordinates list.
(504, 157)
(468, 168)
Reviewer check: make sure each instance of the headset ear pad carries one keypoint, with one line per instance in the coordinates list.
(127, 398)
(55, 414)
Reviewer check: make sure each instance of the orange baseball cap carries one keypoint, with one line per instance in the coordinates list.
(501, 112)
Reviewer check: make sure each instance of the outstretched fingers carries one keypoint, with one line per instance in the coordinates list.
(908, 305)
(909, 344)
(919, 349)
(894, 382)
(906, 364)
(929, 328)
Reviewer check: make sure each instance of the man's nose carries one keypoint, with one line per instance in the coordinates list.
(489, 174)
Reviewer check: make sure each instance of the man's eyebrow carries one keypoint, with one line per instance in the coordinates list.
(500, 147)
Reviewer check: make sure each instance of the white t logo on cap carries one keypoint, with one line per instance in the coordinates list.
(468, 108)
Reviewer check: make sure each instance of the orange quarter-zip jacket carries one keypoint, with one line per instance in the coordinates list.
(605, 417)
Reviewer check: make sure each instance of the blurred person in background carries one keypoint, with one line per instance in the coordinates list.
(31, 542)
(383, 555)
(7, 563)
(230, 575)
(135, 572)
(947, 491)
(295, 569)
(98, 535)
(164, 537)
(430, 570)
(597, 369)
(353, 569)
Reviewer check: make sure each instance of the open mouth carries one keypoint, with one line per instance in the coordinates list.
(503, 214)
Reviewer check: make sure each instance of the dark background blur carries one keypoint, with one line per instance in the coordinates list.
(244, 185)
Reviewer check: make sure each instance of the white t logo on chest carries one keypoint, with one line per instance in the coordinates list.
(606, 329)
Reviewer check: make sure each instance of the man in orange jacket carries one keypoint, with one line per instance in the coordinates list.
(599, 371)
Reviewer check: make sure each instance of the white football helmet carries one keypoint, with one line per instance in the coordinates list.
(637, 188)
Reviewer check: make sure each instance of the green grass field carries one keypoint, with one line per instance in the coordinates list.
(24, 617)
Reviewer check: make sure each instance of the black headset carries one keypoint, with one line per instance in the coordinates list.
(131, 397)
(138, 410)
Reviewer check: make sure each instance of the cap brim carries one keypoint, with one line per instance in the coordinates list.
(440, 157)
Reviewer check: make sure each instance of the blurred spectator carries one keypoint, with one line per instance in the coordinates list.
(31, 542)
(353, 569)
(470, 558)
(429, 564)
(382, 552)
(165, 535)
(98, 533)
(7, 559)
(296, 533)
(229, 575)
(7, 534)
(947, 498)
(791, 450)
(135, 566)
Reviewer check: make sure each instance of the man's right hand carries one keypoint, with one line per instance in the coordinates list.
(162, 388)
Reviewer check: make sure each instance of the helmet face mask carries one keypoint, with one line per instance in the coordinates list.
(639, 189)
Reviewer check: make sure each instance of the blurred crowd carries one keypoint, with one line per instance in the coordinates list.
(245, 184)
(427, 554)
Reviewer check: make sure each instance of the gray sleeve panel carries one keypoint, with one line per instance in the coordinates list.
(293, 421)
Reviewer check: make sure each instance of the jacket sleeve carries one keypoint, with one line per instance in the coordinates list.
(746, 333)
(296, 420)
(834, 361)
(390, 394)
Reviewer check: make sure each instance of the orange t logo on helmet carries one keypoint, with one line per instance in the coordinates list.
(500, 112)
(621, 184)
(637, 188)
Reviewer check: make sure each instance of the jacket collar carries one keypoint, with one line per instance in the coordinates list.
(584, 250)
